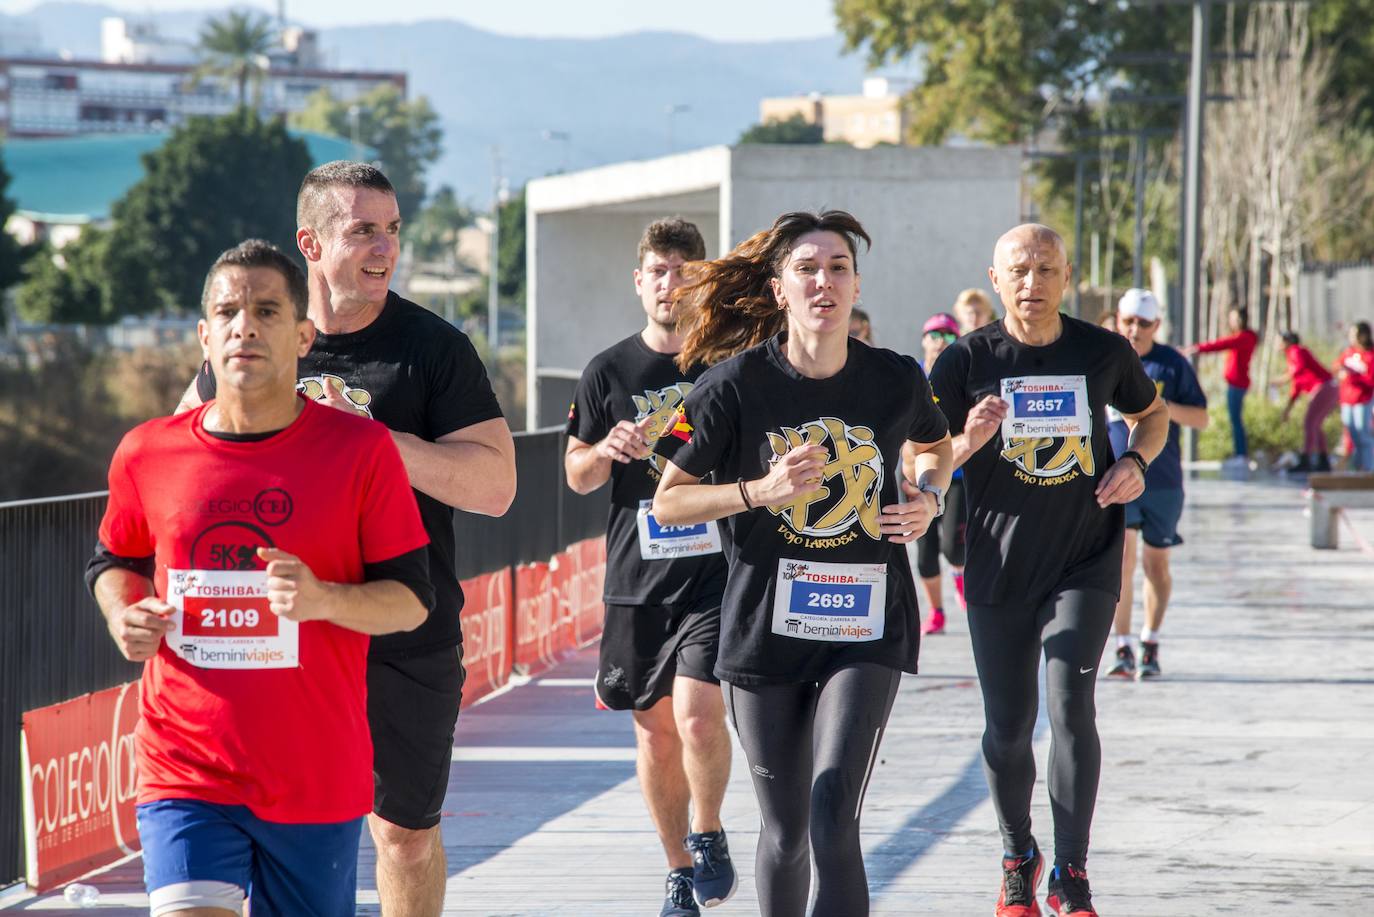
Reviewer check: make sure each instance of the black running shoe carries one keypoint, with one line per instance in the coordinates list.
(1149, 660)
(1124, 667)
(1068, 893)
(713, 875)
(680, 902)
(1020, 879)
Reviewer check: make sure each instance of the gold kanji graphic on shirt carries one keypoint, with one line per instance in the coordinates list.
(1045, 461)
(851, 480)
(312, 387)
(660, 407)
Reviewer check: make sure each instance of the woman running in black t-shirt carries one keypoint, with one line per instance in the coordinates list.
(805, 434)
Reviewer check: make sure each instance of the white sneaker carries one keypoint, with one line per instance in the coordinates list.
(1236, 463)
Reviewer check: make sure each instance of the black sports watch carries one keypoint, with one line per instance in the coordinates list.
(1138, 459)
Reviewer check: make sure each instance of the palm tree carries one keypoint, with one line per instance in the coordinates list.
(234, 49)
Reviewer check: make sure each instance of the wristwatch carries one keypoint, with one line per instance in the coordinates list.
(939, 493)
(1138, 459)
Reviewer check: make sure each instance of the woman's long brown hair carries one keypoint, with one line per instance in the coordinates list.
(728, 305)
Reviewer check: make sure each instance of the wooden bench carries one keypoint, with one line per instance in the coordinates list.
(1331, 492)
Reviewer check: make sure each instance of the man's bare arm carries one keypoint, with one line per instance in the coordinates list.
(190, 400)
(472, 469)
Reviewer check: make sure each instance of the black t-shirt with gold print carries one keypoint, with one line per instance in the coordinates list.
(1034, 526)
(646, 563)
(813, 585)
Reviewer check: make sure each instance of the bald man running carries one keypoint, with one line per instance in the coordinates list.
(1025, 398)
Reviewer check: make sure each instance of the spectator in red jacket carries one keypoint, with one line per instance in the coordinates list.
(1307, 375)
(1239, 346)
(1355, 367)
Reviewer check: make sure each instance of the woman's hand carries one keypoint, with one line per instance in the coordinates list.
(798, 472)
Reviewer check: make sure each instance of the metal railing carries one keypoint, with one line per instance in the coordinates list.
(54, 645)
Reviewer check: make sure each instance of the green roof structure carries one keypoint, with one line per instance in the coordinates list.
(77, 179)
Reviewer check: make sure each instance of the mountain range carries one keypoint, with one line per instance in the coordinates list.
(547, 104)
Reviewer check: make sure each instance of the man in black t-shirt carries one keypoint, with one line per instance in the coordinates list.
(663, 583)
(384, 357)
(1026, 399)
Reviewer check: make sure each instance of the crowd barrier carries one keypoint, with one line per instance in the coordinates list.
(532, 581)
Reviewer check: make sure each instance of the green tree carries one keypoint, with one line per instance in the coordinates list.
(215, 182)
(434, 231)
(1000, 70)
(1347, 26)
(405, 134)
(234, 50)
(89, 280)
(510, 254)
(795, 129)
(12, 254)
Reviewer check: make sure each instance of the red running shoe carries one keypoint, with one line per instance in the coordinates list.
(1020, 879)
(1068, 893)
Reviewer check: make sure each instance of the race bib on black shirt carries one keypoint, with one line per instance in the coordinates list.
(416, 374)
(813, 583)
(1034, 525)
(646, 563)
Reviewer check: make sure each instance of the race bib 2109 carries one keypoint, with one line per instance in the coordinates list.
(223, 621)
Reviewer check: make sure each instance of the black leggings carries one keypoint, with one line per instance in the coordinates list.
(1072, 626)
(946, 536)
(811, 748)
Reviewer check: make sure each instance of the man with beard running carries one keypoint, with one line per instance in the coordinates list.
(663, 583)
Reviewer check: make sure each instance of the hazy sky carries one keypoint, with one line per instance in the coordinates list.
(720, 19)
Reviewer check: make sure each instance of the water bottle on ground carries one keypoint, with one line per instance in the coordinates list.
(81, 895)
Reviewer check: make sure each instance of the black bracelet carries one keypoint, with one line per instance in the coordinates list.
(744, 495)
(1137, 458)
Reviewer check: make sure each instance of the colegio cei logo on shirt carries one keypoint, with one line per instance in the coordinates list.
(846, 502)
(660, 407)
(271, 507)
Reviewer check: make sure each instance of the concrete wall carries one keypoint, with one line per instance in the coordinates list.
(934, 215)
(586, 298)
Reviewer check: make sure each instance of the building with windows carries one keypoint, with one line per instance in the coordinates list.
(147, 83)
(877, 116)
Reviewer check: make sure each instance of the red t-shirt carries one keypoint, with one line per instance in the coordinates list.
(1306, 371)
(1239, 347)
(290, 743)
(1357, 383)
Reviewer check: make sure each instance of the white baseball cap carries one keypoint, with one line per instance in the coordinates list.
(1139, 304)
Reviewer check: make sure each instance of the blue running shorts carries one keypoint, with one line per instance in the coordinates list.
(199, 854)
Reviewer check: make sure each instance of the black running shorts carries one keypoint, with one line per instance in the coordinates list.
(412, 708)
(643, 647)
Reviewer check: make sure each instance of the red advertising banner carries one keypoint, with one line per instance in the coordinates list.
(488, 635)
(591, 576)
(80, 785)
(542, 636)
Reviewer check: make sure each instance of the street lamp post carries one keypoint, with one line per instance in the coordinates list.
(565, 139)
(354, 115)
(500, 193)
(677, 108)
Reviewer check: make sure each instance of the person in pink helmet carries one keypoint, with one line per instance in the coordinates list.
(939, 331)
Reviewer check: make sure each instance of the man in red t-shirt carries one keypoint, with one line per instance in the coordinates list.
(247, 558)
(1239, 346)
